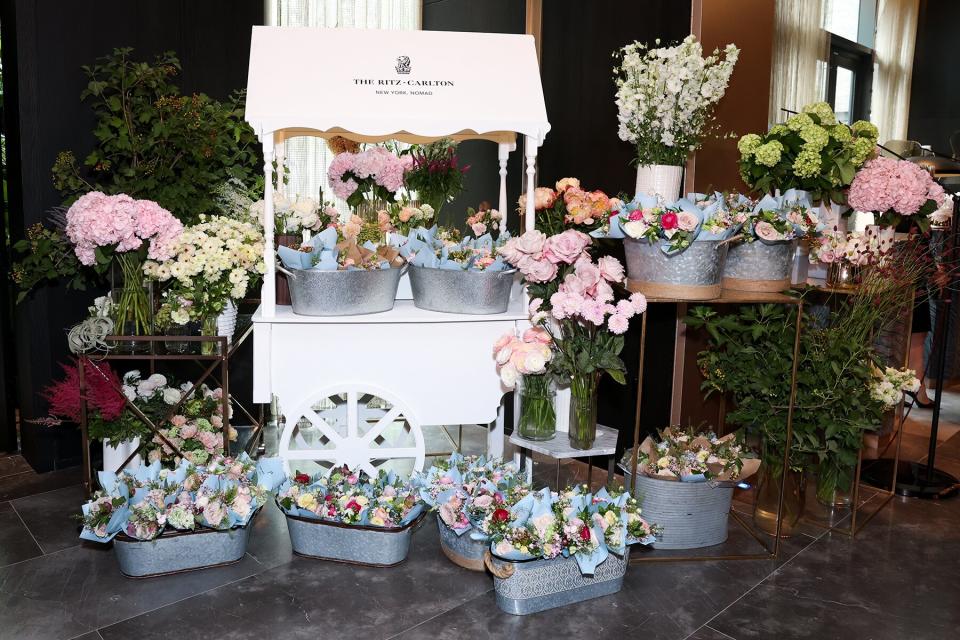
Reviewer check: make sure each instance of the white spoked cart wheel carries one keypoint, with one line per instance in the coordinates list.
(362, 427)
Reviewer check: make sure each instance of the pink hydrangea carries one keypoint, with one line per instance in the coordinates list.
(378, 163)
(885, 184)
(97, 220)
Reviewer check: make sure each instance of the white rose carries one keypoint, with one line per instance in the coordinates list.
(157, 380)
(171, 396)
(305, 206)
(635, 228)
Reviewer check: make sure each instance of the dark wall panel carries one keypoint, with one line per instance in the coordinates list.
(935, 92)
(53, 39)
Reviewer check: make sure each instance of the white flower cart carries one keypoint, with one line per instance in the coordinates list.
(356, 390)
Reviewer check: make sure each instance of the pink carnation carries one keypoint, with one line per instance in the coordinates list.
(618, 323)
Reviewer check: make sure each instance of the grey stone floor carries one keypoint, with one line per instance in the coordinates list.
(899, 579)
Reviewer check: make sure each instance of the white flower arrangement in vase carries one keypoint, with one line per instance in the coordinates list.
(665, 98)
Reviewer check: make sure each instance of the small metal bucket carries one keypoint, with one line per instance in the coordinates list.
(692, 274)
(692, 514)
(352, 544)
(538, 585)
(314, 292)
(463, 551)
(179, 551)
(759, 267)
(464, 292)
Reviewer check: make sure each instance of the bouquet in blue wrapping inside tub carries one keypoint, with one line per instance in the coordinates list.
(331, 250)
(575, 523)
(150, 500)
(351, 497)
(779, 219)
(467, 491)
(435, 248)
(673, 226)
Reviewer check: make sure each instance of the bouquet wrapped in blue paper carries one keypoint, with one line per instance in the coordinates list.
(143, 504)
(436, 249)
(351, 497)
(329, 250)
(673, 226)
(574, 523)
(466, 491)
(779, 219)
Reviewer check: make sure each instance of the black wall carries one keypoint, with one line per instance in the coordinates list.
(482, 181)
(935, 92)
(577, 74)
(53, 38)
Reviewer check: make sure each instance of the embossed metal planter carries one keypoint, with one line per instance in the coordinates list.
(352, 544)
(692, 274)
(464, 292)
(692, 514)
(462, 550)
(758, 267)
(179, 551)
(341, 293)
(538, 585)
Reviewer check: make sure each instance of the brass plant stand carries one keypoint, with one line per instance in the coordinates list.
(209, 363)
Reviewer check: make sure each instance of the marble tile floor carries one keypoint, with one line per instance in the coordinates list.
(897, 580)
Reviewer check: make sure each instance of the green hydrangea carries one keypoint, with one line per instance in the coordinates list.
(815, 136)
(799, 121)
(862, 149)
(778, 130)
(823, 111)
(769, 154)
(864, 129)
(748, 144)
(841, 133)
(807, 163)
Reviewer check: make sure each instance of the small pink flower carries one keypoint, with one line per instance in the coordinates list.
(618, 323)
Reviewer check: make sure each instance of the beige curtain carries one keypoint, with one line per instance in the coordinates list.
(896, 38)
(308, 158)
(801, 47)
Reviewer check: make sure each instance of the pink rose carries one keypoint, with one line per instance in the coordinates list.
(687, 221)
(188, 431)
(538, 270)
(567, 246)
(531, 242)
(478, 229)
(765, 231)
(483, 502)
(610, 269)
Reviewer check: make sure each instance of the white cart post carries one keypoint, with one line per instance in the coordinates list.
(356, 390)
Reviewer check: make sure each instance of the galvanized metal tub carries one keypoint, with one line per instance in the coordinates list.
(342, 293)
(352, 544)
(464, 292)
(758, 267)
(537, 585)
(692, 514)
(692, 274)
(462, 550)
(179, 551)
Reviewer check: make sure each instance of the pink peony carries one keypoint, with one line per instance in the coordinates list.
(610, 269)
(566, 247)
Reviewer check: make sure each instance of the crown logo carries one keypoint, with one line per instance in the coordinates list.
(403, 64)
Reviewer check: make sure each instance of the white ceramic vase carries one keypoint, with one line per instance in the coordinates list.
(662, 180)
(114, 456)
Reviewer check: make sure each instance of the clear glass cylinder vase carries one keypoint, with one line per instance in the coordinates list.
(208, 327)
(834, 485)
(583, 410)
(132, 297)
(538, 414)
(768, 498)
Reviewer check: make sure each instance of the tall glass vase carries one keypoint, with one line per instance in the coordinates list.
(208, 327)
(583, 409)
(834, 484)
(538, 416)
(768, 495)
(132, 312)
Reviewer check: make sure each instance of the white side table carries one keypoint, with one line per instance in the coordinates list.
(559, 448)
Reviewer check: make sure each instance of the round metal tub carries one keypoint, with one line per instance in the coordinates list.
(759, 267)
(692, 274)
(692, 514)
(462, 551)
(342, 293)
(179, 551)
(537, 585)
(464, 292)
(352, 544)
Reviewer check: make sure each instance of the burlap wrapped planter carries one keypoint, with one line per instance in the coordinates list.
(691, 274)
(758, 267)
